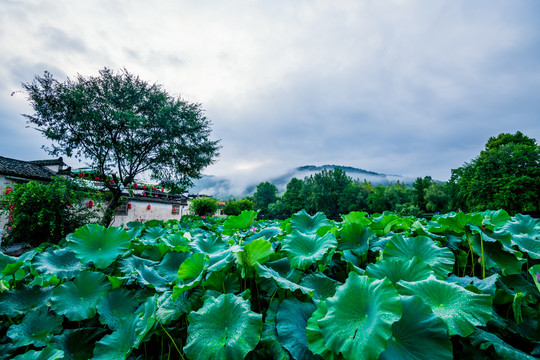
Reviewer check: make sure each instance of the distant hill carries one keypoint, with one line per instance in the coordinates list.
(226, 187)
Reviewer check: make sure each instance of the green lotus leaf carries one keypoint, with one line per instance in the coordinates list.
(314, 336)
(37, 328)
(323, 286)
(292, 318)
(23, 299)
(61, 263)
(495, 218)
(460, 309)
(168, 268)
(78, 343)
(224, 281)
(209, 244)
(441, 260)
(135, 229)
(77, 299)
(456, 222)
(357, 217)
(484, 340)
(115, 306)
(266, 233)
(487, 285)
(155, 252)
(304, 250)
(280, 280)
(190, 273)
(525, 232)
(256, 252)
(148, 276)
(355, 237)
(98, 245)
(418, 333)
(396, 269)
(175, 241)
(306, 224)
(224, 328)
(120, 343)
(45, 354)
(360, 315)
(169, 310)
(495, 255)
(133, 264)
(388, 222)
(242, 221)
(270, 346)
(12, 268)
(151, 235)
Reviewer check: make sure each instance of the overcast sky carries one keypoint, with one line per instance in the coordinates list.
(402, 87)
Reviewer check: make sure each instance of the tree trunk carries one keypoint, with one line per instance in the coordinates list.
(108, 215)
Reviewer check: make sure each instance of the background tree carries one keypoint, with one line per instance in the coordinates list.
(122, 126)
(420, 185)
(437, 198)
(203, 206)
(292, 198)
(326, 188)
(506, 175)
(235, 207)
(46, 212)
(265, 195)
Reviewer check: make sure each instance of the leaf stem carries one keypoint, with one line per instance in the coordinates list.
(483, 258)
(170, 337)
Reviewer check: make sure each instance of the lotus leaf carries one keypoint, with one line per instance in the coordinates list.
(169, 310)
(224, 328)
(306, 224)
(357, 217)
(292, 318)
(419, 333)
(387, 222)
(304, 250)
(134, 264)
(176, 241)
(23, 299)
(323, 286)
(98, 245)
(282, 281)
(209, 244)
(77, 299)
(37, 328)
(360, 315)
(487, 285)
(45, 354)
(396, 269)
(457, 222)
(168, 268)
(441, 260)
(484, 340)
(120, 343)
(151, 235)
(240, 222)
(460, 309)
(495, 255)
(115, 306)
(78, 344)
(190, 273)
(355, 237)
(315, 338)
(61, 263)
(266, 233)
(256, 251)
(271, 347)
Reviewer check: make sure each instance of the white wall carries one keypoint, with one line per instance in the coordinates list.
(158, 211)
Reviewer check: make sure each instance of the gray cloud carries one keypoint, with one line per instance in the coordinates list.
(404, 87)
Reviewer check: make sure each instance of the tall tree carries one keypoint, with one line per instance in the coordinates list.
(292, 198)
(122, 126)
(327, 187)
(265, 195)
(420, 185)
(506, 175)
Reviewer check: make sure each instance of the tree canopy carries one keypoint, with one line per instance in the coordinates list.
(506, 175)
(122, 126)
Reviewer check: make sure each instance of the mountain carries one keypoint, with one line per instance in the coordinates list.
(226, 187)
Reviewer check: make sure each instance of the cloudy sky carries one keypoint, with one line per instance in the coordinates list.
(399, 87)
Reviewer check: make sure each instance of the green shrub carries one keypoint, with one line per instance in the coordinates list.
(235, 207)
(46, 212)
(204, 206)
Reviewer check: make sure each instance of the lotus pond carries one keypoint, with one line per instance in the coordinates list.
(380, 287)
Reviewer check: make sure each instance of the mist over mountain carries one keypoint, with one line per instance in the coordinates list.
(224, 187)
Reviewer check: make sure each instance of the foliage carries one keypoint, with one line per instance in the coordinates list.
(325, 189)
(388, 287)
(46, 212)
(265, 194)
(437, 198)
(203, 206)
(420, 185)
(123, 126)
(505, 175)
(235, 207)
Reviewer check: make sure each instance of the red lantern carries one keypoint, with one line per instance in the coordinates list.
(136, 186)
(162, 190)
(129, 206)
(81, 174)
(144, 187)
(112, 181)
(148, 207)
(96, 178)
(90, 203)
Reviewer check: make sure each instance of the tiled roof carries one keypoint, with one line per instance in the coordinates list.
(24, 169)
(49, 162)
